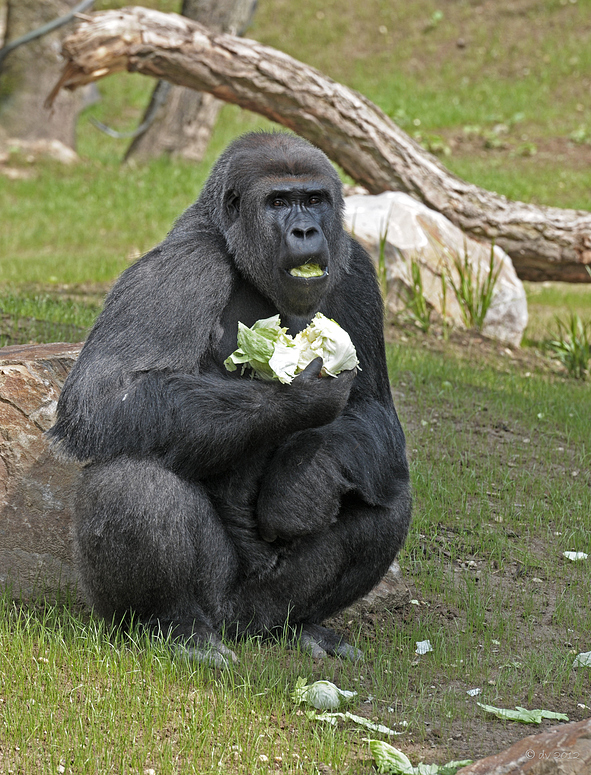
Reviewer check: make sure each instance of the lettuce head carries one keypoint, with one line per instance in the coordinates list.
(272, 354)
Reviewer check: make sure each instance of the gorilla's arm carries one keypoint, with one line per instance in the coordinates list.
(198, 424)
(361, 452)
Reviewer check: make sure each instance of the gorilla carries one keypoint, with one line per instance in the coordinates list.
(212, 505)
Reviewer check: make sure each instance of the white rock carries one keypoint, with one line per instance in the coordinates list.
(415, 231)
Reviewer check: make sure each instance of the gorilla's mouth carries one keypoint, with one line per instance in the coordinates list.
(308, 271)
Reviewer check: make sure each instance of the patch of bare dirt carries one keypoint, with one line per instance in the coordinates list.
(458, 552)
(472, 347)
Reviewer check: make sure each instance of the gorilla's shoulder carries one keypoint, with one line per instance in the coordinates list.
(171, 296)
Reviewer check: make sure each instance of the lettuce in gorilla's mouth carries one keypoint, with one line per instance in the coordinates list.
(307, 270)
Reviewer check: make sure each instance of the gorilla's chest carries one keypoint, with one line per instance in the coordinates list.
(247, 305)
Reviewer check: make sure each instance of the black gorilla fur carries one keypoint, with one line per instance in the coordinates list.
(211, 502)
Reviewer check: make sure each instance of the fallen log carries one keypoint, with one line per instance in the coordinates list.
(544, 243)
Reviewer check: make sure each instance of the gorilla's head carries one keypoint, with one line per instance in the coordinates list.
(278, 202)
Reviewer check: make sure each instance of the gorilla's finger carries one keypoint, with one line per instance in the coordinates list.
(312, 371)
(267, 534)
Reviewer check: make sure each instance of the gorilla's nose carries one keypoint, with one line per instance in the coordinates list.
(304, 242)
(304, 233)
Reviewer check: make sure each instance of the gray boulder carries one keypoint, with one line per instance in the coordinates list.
(36, 489)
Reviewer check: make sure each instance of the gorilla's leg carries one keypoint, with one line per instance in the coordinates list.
(321, 574)
(150, 544)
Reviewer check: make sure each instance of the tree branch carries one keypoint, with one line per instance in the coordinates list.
(545, 243)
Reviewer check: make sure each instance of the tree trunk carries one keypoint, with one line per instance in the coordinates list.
(184, 118)
(544, 243)
(29, 72)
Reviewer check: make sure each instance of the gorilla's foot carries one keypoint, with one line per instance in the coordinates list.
(193, 641)
(319, 641)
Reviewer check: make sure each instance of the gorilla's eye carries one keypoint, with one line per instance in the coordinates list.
(278, 203)
(315, 200)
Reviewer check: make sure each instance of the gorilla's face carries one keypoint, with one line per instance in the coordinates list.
(299, 214)
(283, 211)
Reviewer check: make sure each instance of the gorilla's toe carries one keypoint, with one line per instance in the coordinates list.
(320, 641)
(213, 655)
(310, 645)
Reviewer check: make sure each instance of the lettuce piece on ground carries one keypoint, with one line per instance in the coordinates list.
(334, 716)
(523, 714)
(393, 762)
(583, 659)
(322, 695)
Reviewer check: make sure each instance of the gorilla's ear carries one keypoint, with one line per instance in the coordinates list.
(232, 204)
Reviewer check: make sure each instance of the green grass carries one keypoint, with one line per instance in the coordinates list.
(546, 301)
(499, 464)
(41, 317)
(551, 183)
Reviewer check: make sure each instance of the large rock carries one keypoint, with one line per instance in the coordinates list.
(36, 489)
(561, 750)
(411, 230)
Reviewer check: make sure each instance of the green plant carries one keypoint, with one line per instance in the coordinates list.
(417, 307)
(572, 345)
(42, 317)
(444, 320)
(473, 292)
(581, 135)
(433, 143)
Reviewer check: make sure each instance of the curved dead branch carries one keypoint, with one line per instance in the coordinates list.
(545, 243)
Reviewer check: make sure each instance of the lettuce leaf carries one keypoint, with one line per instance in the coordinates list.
(392, 761)
(307, 270)
(523, 714)
(324, 338)
(323, 695)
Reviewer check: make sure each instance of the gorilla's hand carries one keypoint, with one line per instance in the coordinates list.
(325, 397)
(301, 491)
